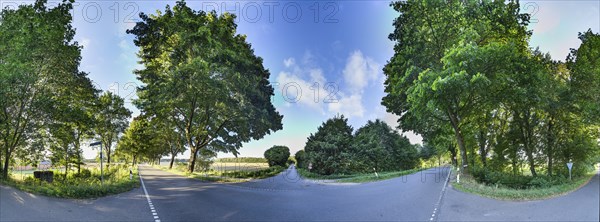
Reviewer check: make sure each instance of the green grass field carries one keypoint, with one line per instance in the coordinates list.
(359, 177)
(227, 172)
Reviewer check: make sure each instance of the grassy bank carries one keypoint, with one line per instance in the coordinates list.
(357, 178)
(79, 186)
(469, 185)
(233, 174)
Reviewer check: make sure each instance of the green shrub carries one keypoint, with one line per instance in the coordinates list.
(301, 159)
(277, 155)
(73, 185)
(507, 180)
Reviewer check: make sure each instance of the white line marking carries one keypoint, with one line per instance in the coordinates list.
(441, 195)
(148, 198)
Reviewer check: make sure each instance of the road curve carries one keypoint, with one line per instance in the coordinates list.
(580, 205)
(16, 205)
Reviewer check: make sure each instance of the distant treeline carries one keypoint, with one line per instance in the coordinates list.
(242, 160)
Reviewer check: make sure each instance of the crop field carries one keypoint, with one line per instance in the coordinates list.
(238, 166)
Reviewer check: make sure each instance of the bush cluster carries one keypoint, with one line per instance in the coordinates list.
(493, 178)
(86, 184)
(269, 172)
(277, 156)
(336, 149)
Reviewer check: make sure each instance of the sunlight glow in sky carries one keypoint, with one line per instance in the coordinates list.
(327, 56)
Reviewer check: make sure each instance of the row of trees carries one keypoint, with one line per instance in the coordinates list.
(336, 149)
(46, 103)
(203, 89)
(463, 75)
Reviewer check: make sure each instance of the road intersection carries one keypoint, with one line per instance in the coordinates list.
(288, 197)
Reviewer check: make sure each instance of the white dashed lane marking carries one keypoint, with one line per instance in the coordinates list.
(440, 199)
(152, 210)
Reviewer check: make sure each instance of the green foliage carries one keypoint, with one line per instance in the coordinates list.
(258, 174)
(203, 77)
(41, 87)
(205, 160)
(301, 159)
(277, 156)
(489, 177)
(357, 177)
(539, 191)
(329, 149)
(467, 73)
(374, 147)
(378, 147)
(111, 117)
(81, 186)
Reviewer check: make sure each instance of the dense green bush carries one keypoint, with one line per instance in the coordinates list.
(301, 159)
(378, 147)
(490, 177)
(277, 155)
(269, 172)
(329, 150)
(116, 180)
(333, 149)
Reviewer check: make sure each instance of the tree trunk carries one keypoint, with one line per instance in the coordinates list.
(550, 145)
(6, 162)
(460, 140)
(452, 150)
(482, 148)
(79, 163)
(107, 158)
(531, 161)
(172, 160)
(192, 161)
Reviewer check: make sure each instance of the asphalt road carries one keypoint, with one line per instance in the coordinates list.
(287, 197)
(580, 205)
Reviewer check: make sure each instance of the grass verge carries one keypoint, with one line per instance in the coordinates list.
(357, 178)
(78, 186)
(228, 176)
(469, 185)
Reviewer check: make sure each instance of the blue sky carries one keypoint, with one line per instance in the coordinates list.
(338, 46)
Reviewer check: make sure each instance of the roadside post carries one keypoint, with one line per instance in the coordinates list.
(130, 174)
(570, 166)
(101, 173)
(309, 167)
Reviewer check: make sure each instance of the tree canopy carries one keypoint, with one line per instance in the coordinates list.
(203, 78)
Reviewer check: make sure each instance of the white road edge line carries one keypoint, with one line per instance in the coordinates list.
(153, 211)
(441, 194)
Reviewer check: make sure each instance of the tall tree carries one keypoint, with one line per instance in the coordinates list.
(111, 117)
(205, 77)
(41, 54)
(428, 34)
(329, 150)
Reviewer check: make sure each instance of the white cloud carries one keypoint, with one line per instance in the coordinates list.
(289, 62)
(349, 106)
(296, 90)
(316, 75)
(359, 71)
